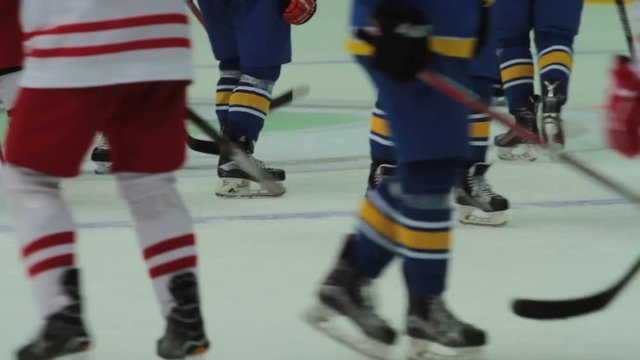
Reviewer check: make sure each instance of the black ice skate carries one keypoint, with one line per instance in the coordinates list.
(552, 131)
(63, 335)
(184, 337)
(379, 171)
(101, 157)
(478, 203)
(512, 147)
(436, 334)
(346, 313)
(236, 183)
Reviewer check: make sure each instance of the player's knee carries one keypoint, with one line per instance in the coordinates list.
(27, 189)
(264, 73)
(149, 196)
(430, 176)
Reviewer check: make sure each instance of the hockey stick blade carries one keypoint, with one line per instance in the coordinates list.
(562, 309)
(284, 99)
(471, 100)
(237, 155)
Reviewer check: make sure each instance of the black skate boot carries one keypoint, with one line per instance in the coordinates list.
(379, 171)
(512, 147)
(435, 333)
(101, 157)
(236, 183)
(184, 337)
(552, 130)
(63, 334)
(478, 203)
(345, 295)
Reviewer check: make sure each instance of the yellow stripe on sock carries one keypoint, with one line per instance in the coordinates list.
(380, 126)
(377, 220)
(517, 71)
(480, 129)
(222, 97)
(250, 100)
(555, 57)
(422, 240)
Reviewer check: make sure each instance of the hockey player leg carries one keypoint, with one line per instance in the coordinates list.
(477, 203)
(382, 147)
(248, 106)
(46, 235)
(165, 234)
(424, 231)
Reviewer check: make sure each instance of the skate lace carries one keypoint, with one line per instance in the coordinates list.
(480, 186)
(103, 144)
(444, 320)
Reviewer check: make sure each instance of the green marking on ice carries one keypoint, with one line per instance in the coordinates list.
(296, 121)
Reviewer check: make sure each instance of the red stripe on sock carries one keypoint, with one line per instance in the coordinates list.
(51, 263)
(63, 238)
(173, 266)
(169, 245)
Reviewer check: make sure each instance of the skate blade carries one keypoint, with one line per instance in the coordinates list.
(420, 349)
(522, 152)
(102, 168)
(471, 215)
(85, 355)
(231, 188)
(335, 325)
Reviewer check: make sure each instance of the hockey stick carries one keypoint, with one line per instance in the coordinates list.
(473, 101)
(237, 155)
(560, 309)
(212, 148)
(626, 27)
(195, 11)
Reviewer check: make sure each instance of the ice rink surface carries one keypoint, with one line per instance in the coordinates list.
(261, 259)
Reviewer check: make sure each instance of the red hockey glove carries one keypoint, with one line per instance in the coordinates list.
(623, 109)
(298, 12)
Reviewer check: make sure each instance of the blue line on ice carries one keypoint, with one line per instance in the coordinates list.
(332, 214)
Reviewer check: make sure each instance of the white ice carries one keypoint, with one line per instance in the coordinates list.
(261, 259)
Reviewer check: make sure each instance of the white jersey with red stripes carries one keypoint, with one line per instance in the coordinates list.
(88, 43)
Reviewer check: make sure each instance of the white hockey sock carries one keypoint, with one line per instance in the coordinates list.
(9, 86)
(45, 232)
(164, 228)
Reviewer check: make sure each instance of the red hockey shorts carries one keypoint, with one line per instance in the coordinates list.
(51, 130)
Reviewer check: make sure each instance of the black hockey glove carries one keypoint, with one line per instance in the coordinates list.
(401, 48)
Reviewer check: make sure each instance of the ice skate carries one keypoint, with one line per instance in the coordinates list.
(101, 157)
(185, 336)
(236, 183)
(510, 146)
(477, 203)
(63, 335)
(436, 334)
(379, 171)
(345, 312)
(552, 129)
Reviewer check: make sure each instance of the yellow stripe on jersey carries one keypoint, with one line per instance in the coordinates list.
(555, 57)
(222, 97)
(250, 100)
(517, 71)
(480, 129)
(447, 46)
(359, 47)
(380, 126)
(423, 240)
(453, 47)
(377, 220)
